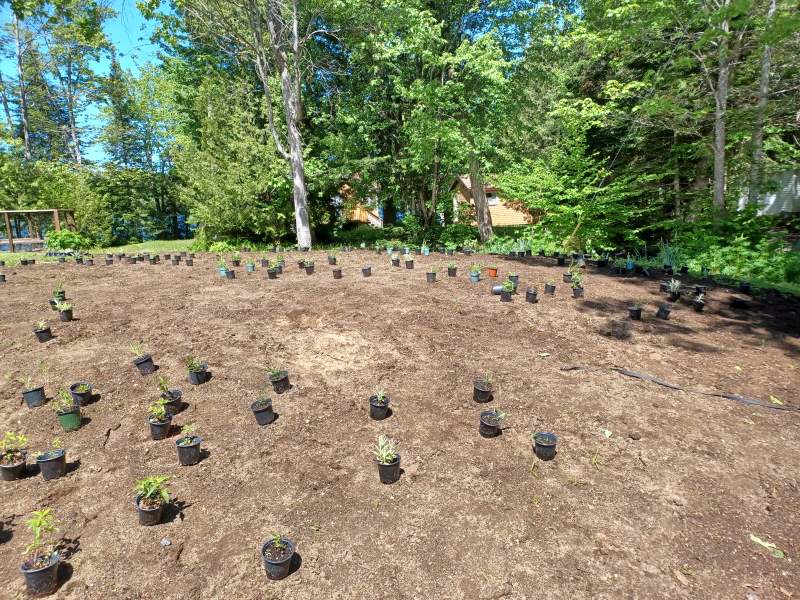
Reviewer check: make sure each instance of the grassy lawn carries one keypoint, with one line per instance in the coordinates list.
(159, 246)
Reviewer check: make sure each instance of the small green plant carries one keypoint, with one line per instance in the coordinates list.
(274, 373)
(508, 286)
(41, 325)
(158, 411)
(63, 402)
(12, 448)
(280, 259)
(512, 274)
(59, 289)
(475, 269)
(152, 491)
(56, 444)
(700, 299)
(188, 432)
(395, 256)
(82, 388)
(222, 265)
(385, 450)
(381, 397)
(488, 378)
(163, 384)
(236, 256)
(433, 270)
(193, 364)
(308, 263)
(674, 286)
(451, 265)
(64, 306)
(636, 305)
(42, 524)
(40, 376)
(496, 416)
(577, 280)
(251, 263)
(138, 349)
(263, 400)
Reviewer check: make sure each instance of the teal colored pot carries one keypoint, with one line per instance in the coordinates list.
(474, 277)
(426, 251)
(222, 272)
(70, 421)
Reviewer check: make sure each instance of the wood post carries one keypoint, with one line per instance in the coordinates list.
(10, 233)
(56, 220)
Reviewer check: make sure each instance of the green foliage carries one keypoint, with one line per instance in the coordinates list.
(42, 525)
(385, 450)
(67, 240)
(152, 489)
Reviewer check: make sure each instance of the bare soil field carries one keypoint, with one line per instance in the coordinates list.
(663, 507)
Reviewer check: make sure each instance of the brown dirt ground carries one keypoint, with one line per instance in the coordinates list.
(666, 515)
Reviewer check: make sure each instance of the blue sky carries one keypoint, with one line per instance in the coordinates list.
(128, 31)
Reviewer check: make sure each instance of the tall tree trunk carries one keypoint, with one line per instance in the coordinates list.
(6, 107)
(482, 214)
(23, 94)
(757, 142)
(73, 129)
(720, 116)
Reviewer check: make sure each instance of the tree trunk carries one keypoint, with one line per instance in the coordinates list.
(73, 129)
(761, 109)
(720, 116)
(23, 94)
(482, 214)
(6, 107)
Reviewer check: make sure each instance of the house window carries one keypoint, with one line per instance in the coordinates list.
(492, 200)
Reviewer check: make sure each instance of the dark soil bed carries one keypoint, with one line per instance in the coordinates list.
(663, 508)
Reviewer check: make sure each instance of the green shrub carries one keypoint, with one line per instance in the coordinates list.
(459, 234)
(67, 240)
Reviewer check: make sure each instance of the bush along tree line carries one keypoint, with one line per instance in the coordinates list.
(611, 126)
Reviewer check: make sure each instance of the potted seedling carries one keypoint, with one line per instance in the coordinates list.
(250, 265)
(64, 311)
(151, 498)
(674, 289)
(33, 389)
(160, 420)
(577, 285)
(550, 287)
(699, 302)
(475, 273)
(635, 311)
(197, 370)
(395, 259)
(309, 266)
(388, 460)
(81, 392)
(171, 397)
(483, 387)
(189, 445)
(663, 311)
(337, 272)
(3, 280)
(53, 462)
(514, 277)
(379, 405)
(409, 260)
(12, 456)
(331, 258)
(41, 558)
(366, 270)
(451, 269)
(262, 410)
(272, 271)
(544, 445)
(561, 261)
(531, 295)
(264, 261)
(491, 271)
(59, 295)
(567, 277)
(175, 261)
(507, 290)
(430, 275)
(67, 410)
(280, 263)
(276, 556)
(230, 274)
(490, 421)
(222, 267)
(142, 360)
(280, 380)
(236, 259)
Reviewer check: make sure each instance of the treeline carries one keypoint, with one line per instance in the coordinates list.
(614, 124)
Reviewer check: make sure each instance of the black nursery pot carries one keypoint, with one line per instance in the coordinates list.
(744, 287)
(174, 262)
(3, 278)
(280, 382)
(674, 296)
(43, 581)
(635, 313)
(264, 263)
(149, 516)
(172, 401)
(236, 263)
(43, 335)
(189, 262)
(430, 277)
(409, 264)
(366, 271)
(567, 277)
(198, 377)
(89, 262)
(272, 273)
(561, 261)
(160, 431)
(309, 269)
(167, 256)
(263, 412)
(189, 453)
(331, 260)
(481, 391)
(65, 315)
(109, 262)
(378, 411)
(395, 262)
(145, 364)
(505, 296)
(698, 306)
(544, 445)
(549, 289)
(12, 472)
(577, 292)
(391, 472)
(278, 567)
(81, 398)
(34, 398)
(487, 427)
(52, 464)
(337, 273)
(451, 271)
(230, 274)
(531, 296)
(663, 312)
